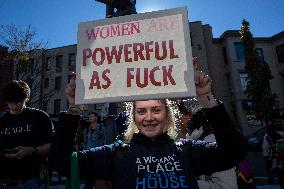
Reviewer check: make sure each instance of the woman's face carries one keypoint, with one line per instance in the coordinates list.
(150, 117)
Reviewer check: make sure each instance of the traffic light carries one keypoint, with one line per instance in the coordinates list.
(123, 7)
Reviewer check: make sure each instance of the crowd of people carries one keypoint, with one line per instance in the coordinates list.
(166, 144)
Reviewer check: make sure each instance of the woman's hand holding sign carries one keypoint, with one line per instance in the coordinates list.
(203, 85)
(70, 94)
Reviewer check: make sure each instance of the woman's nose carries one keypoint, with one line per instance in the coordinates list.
(149, 116)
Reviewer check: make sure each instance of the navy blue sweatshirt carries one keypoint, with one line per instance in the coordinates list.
(144, 163)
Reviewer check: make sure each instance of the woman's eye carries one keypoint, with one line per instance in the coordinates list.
(156, 110)
(140, 111)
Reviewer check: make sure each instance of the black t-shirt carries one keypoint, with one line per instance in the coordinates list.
(31, 128)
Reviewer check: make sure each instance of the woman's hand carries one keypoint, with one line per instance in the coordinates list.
(202, 81)
(70, 90)
(203, 85)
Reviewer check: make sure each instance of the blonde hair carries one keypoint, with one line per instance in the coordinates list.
(170, 122)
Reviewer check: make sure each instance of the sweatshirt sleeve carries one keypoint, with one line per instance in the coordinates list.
(95, 163)
(228, 150)
(63, 141)
(98, 163)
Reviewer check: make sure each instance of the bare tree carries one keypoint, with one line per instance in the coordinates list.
(25, 53)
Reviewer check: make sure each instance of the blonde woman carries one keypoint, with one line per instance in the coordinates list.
(151, 158)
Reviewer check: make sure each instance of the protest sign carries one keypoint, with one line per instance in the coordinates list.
(135, 57)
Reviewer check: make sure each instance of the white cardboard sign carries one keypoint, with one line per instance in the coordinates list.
(136, 57)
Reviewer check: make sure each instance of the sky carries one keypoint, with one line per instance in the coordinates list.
(56, 21)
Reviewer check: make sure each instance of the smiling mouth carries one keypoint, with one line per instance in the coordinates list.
(150, 125)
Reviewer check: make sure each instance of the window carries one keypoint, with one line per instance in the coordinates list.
(240, 51)
(280, 53)
(30, 64)
(98, 106)
(58, 83)
(225, 55)
(228, 77)
(244, 80)
(57, 106)
(59, 61)
(46, 83)
(72, 59)
(47, 63)
(259, 54)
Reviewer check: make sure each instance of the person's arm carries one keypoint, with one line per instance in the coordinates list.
(95, 163)
(63, 142)
(228, 150)
(22, 151)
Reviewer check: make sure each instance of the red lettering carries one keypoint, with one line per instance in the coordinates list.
(163, 24)
(130, 76)
(114, 53)
(131, 52)
(94, 57)
(138, 52)
(95, 81)
(106, 33)
(87, 53)
(152, 26)
(137, 74)
(106, 78)
(127, 52)
(172, 50)
(148, 49)
(125, 29)
(138, 77)
(114, 31)
(135, 26)
(152, 76)
(168, 74)
(92, 34)
(164, 49)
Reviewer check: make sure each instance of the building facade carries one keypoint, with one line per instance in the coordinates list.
(222, 58)
(5, 72)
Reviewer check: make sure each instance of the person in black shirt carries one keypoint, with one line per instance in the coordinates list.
(25, 138)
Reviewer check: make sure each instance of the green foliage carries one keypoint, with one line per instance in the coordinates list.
(259, 75)
(21, 45)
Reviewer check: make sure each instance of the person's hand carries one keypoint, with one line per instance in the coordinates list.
(70, 90)
(203, 85)
(20, 152)
(202, 81)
